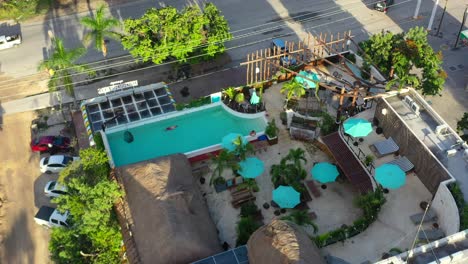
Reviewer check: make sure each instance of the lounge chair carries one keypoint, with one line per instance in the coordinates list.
(384, 147)
(404, 164)
(430, 216)
(433, 234)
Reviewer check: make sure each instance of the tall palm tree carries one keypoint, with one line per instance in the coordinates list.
(222, 161)
(101, 27)
(61, 63)
(293, 89)
(296, 155)
(242, 150)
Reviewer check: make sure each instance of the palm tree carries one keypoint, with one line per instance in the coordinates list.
(293, 89)
(301, 218)
(296, 155)
(242, 150)
(223, 160)
(61, 63)
(101, 27)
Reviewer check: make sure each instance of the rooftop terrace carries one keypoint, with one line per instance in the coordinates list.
(435, 134)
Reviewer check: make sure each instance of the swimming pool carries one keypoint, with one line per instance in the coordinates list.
(196, 130)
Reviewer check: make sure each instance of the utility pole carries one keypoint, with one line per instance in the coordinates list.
(442, 18)
(431, 20)
(416, 11)
(461, 26)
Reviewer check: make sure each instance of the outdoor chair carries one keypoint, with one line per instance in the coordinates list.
(404, 164)
(384, 147)
(430, 216)
(431, 235)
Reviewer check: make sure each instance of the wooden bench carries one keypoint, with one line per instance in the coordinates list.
(313, 188)
(241, 196)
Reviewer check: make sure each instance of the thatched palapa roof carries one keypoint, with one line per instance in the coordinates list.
(171, 223)
(282, 242)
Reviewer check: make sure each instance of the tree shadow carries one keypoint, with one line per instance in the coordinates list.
(18, 245)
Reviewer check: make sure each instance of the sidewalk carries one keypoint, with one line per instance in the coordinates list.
(198, 86)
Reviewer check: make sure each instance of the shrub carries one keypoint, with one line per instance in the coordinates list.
(271, 130)
(461, 204)
(245, 228)
(98, 140)
(248, 209)
(351, 57)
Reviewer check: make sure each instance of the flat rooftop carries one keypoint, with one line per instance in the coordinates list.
(424, 126)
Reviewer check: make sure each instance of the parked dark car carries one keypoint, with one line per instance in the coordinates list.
(50, 143)
(383, 6)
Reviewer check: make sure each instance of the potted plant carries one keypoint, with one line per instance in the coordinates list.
(271, 132)
(369, 160)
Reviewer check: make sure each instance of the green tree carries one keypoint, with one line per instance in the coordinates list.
(406, 52)
(245, 228)
(301, 218)
(462, 125)
(222, 161)
(94, 234)
(242, 150)
(61, 64)
(296, 156)
(287, 174)
(292, 89)
(165, 33)
(100, 27)
(216, 29)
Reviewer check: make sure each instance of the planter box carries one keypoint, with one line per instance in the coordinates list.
(272, 141)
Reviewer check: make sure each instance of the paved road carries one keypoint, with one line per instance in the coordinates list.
(258, 21)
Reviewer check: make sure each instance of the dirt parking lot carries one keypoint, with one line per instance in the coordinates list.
(21, 185)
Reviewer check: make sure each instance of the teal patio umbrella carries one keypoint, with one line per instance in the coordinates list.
(390, 176)
(231, 140)
(324, 172)
(255, 99)
(251, 167)
(308, 84)
(286, 196)
(357, 127)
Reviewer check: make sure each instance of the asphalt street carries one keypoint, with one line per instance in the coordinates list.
(253, 25)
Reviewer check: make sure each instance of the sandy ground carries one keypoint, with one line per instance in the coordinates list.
(22, 241)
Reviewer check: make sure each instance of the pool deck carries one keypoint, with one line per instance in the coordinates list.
(333, 208)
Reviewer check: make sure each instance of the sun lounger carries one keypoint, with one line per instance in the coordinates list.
(311, 187)
(430, 216)
(384, 147)
(404, 164)
(431, 235)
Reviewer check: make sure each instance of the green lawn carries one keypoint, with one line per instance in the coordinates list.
(23, 9)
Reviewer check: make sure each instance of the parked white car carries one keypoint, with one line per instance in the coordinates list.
(11, 41)
(54, 189)
(55, 163)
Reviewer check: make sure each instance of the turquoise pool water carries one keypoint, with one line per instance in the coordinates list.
(194, 131)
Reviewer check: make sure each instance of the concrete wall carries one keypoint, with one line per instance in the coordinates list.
(427, 167)
(447, 210)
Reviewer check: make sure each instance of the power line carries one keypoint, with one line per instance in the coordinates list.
(196, 56)
(320, 16)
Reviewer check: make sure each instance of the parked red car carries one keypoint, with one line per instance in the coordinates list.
(49, 143)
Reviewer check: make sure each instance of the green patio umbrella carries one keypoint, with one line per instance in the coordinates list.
(251, 167)
(286, 196)
(390, 176)
(357, 127)
(255, 99)
(464, 35)
(231, 140)
(324, 172)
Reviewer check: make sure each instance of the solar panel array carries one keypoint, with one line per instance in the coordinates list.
(118, 110)
(234, 256)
